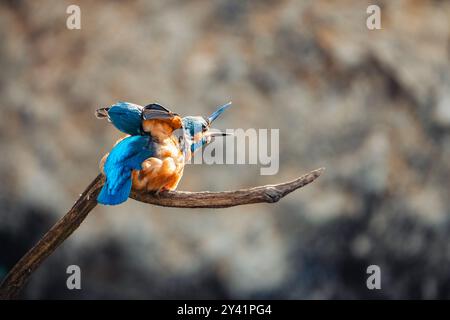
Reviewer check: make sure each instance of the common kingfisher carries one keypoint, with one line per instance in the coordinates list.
(153, 157)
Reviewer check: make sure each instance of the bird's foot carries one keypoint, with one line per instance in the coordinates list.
(160, 192)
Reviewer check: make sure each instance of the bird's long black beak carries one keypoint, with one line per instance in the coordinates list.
(214, 134)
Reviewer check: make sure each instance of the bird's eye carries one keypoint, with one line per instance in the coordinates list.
(204, 128)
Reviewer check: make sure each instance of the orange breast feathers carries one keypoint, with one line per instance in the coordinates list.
(164, 171)
(162, 129)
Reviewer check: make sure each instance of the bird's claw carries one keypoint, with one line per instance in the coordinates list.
(160, 192)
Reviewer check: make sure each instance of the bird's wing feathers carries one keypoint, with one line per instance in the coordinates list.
(157, 112)
(126, 156)
(156, 106)
(130, 153)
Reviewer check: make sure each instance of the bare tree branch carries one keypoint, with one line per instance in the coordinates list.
(19, 274)
(224, 199)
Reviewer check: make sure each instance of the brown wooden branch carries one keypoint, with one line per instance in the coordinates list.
(19, 274)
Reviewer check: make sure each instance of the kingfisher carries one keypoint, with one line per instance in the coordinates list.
(152, 155)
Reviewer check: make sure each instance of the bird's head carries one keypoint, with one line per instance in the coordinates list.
(198, 129)
(125, 116)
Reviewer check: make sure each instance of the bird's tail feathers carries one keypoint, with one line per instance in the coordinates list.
(113, 196)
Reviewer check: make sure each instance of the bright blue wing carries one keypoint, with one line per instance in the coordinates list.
(126, 156)
(126, 117)
(218, 112)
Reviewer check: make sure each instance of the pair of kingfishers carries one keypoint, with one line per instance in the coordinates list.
(152, 155)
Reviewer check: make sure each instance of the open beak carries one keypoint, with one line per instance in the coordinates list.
(218, 112)
(102, 113)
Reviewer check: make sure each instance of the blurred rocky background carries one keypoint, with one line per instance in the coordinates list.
(373, 107)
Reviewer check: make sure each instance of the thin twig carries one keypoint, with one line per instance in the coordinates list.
(16, 279)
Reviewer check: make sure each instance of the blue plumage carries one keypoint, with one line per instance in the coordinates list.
(125, 116)
(126, 156)
(218, 112)
(193, 126)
